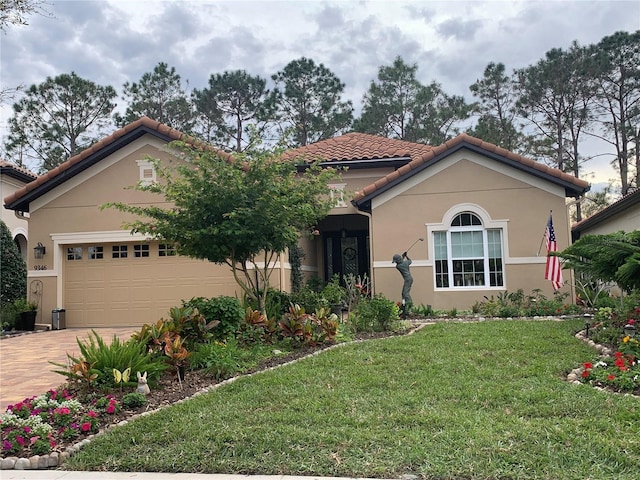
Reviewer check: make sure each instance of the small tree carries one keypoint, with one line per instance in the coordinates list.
(232, 210)
(13, 278)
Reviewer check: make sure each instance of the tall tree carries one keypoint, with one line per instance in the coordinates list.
(556, 97)
(58, 119)
(16, 12)
(230, 211)
(497, 108)
(14, 271)
(232, 100)
(158, 95)
(618, 57)
(399, 106)
(307, 101)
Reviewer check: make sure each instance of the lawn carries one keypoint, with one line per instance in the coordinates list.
(483, 400)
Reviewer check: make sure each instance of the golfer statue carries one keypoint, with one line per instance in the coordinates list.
(402, 264)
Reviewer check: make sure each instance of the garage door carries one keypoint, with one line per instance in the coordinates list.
(133, 283)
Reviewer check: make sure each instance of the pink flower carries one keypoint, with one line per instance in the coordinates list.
(631, 321)
(111, 408)
(6, 445)
(85, 427)
(92, 414)
(20, 440)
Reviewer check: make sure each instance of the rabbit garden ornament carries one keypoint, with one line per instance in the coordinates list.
(143, 388)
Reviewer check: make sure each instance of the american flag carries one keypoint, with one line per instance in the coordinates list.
(553, 271)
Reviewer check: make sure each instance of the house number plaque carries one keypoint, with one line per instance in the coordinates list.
(39, 267)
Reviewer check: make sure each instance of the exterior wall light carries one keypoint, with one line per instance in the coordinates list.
(39, 251)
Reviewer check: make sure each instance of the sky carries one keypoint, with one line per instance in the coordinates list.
(115, 41)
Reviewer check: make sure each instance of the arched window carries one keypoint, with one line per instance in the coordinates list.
(467, 254)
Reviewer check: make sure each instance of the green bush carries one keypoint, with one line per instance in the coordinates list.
(220, 359)
(227, 310)
(308, 299)
(101, 359)
(134, 400)
(14, 274)
(376, 314)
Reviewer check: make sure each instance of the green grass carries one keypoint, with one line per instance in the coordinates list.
(453, 401)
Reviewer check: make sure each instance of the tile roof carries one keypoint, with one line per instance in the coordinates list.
(421, 161)
(142, 125)
(357, 146)
(21, 171)
(630, 199)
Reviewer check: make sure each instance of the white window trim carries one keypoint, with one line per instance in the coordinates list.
(487, 224)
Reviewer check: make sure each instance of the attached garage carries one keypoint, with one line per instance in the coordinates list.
(124, 284)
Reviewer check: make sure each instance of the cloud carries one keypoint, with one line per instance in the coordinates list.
(458, 29)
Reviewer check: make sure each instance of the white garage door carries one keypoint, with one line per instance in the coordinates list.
(134, 283)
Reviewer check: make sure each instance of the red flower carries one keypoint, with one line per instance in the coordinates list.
(585, 374)
(85, 427)
(631, 321)
(619, 362)
(623, 369)
(618, 354)
(587, 365)
(611, 377)
(111, 408)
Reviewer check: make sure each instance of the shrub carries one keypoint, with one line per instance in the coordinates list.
(220, 359)
(308, 299)
(333, 293)
(226, 310)
(134, 400)
(97, 360)
(14, 274)
(376, 314)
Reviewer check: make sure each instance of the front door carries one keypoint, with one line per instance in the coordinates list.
(346, 253)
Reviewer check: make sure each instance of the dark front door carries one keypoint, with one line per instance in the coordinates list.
(346, 253)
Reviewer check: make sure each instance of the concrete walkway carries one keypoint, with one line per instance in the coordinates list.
(25, 370)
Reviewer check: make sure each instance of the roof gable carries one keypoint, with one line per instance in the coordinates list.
(629, 200)
(573, 186)
(21, 198)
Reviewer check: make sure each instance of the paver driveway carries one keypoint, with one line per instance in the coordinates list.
(24, 360)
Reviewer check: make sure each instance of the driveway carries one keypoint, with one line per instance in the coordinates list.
(25, 370)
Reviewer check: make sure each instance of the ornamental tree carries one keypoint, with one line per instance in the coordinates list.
(240, 211)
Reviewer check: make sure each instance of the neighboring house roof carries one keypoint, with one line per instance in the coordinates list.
(21, 198)
(19, 173)
(629, 200)
(354, 149)
(573, 186)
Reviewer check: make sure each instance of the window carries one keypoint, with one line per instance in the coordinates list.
(119, 251)
(74, 253)
(468, 255)
(140, 251)
(165, 250)
(95, 253)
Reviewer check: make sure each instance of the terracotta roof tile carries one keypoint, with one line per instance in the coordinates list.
(432, 152)
(356, 146)
(141, 122)
(11, 166)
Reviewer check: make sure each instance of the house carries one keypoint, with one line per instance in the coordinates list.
(92, 266)
(13, 178)
(480, 210)
(623, 214)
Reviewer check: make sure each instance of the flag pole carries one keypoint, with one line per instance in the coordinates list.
(544, 235)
